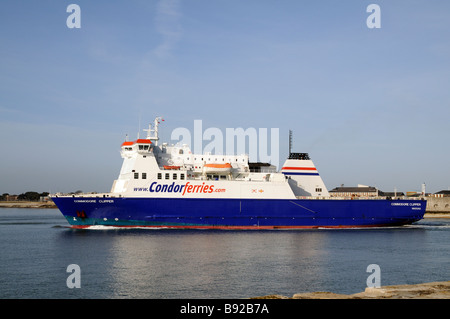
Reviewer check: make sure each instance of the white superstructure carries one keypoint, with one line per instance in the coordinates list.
(154, 169)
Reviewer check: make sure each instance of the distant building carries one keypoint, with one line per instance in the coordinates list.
(392, 194)
(359, 191)
(12, 198)
(443, 193)
(362, 191)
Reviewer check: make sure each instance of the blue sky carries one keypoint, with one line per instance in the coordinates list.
(370, 106)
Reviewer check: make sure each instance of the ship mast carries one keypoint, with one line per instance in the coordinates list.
(154, 137)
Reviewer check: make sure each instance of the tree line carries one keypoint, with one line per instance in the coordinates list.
(27, 196)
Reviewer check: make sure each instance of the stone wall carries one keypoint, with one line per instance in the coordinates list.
(438, 204)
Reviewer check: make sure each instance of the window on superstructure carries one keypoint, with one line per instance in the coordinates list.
(167, 176)
(144, 175)
(174, 176)
(182, 176)
(136, 175)
(180, 152)
(159, 176)
(318, 190)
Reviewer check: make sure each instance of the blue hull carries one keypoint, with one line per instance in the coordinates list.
(238, 213)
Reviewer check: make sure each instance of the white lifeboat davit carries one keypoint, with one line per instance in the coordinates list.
(217, 168)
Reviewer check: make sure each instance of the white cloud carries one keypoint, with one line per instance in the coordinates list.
(168, 16)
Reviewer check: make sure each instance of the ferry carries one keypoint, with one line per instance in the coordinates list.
(167, 186)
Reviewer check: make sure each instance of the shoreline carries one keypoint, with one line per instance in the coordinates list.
(50, 204)
(25, 204)
(430, 290)
(436, 215)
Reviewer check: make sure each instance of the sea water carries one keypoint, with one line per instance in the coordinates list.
(37, 247)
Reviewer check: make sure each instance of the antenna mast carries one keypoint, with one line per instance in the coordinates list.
(290, 142)
(155, 136)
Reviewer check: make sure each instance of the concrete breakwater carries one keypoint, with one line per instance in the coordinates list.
(431, 290)
(438, 204)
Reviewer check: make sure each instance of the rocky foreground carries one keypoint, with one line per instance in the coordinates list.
(432, 290)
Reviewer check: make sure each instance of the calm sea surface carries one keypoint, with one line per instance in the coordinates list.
(36, 247)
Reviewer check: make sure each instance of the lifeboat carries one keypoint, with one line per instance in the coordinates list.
(171, 167)
(217, 168)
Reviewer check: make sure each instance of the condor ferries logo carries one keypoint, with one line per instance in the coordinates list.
(189, 188)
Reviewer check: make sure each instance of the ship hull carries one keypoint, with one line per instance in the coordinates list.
(200, 213)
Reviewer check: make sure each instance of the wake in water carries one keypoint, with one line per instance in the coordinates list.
(441, 223)
(426, 224)
(105, 227)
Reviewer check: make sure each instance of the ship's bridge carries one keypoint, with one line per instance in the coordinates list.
(139, 146)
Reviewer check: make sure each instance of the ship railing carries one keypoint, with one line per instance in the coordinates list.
(360, 197)
(263, 170)
(91, 194)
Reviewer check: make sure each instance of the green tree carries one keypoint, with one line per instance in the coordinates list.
(29, 196)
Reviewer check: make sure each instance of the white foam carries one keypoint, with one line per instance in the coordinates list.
(107, 227)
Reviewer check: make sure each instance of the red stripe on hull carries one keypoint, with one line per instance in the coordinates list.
(230, 227)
